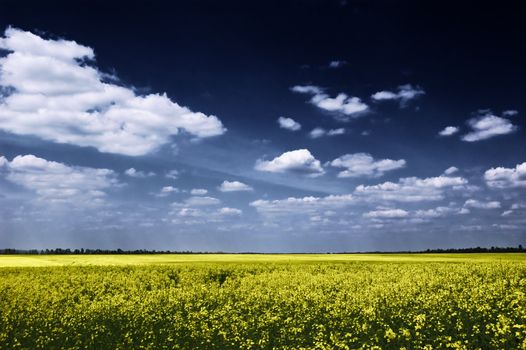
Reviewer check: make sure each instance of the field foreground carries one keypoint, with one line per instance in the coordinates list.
(369, 301)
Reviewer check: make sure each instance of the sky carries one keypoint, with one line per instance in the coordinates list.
(273, 126)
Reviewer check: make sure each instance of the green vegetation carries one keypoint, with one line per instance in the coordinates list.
(428, 301)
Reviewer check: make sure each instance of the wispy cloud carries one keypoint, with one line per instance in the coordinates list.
(404, 94)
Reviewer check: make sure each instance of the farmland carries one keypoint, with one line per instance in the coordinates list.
(365, 301)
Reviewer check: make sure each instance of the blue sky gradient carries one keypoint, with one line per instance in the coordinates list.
(267, 127)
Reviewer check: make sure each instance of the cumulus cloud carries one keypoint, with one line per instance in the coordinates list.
(411, 189)
(289, 124)
(300, 161)
(132, 172)
(198, 192)
(320, 132)
(473, 203)
(234, 186)
(51, 90)
(486, 126)
(387, 213)
(363, 164)
(404, 94)
(59, 183)
(448, 131)
(304, 205)
(344, 105)
(230, 211)
(506, 177)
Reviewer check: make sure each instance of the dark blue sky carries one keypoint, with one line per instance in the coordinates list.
(262, 126)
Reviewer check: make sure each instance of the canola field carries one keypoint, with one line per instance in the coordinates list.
(365, 301)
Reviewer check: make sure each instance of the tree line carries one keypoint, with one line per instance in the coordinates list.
(82, 251)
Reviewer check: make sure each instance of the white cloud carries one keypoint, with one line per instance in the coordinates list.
(55, 94)
(363, 164)
(451, 170)
(435, 212)
(334, 132)
(202, 201)
(317, 133)
(349, 106)
(473, 203)
(411, 189)
(449, 130)
(507, 213)
(510, 113)
(298, 161)
(289, 124)
(172, 174)
(320, 132)
(303, 205)
(387, 213)
(132, 172)
(506, 177)
(59, 183)
(230, 211)
(404, 94)
(233, 186)
(167, 190)
(198, 192)
(307, 89)
(486, 126)
(337, 63)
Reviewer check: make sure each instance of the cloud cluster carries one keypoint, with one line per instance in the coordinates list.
(300, 161)
(404, 94)
(55, 182)
(506, 177)
(486, 126)
(234, 186)
(387, 213)
(363, 164)
(344, 105)
(304, 205)
(473, 203)
(51, 91)
(289, 124)
(132, 172)
(411, 189)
